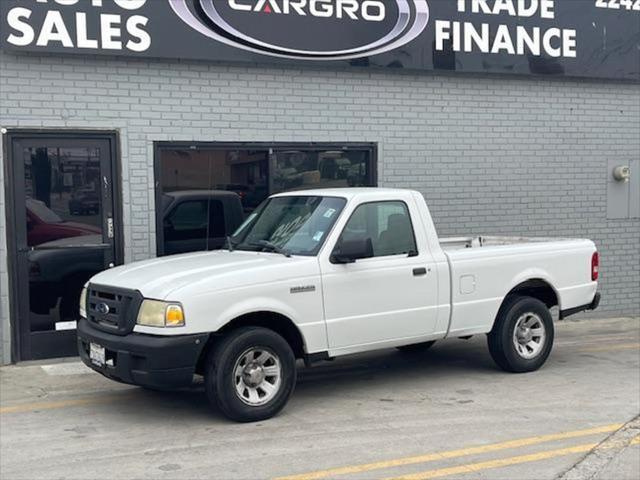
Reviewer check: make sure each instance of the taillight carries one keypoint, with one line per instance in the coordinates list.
(595, 266)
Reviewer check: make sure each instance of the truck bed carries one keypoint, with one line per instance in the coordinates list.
(484, 269)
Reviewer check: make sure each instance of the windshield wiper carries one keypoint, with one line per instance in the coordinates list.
(271, 246)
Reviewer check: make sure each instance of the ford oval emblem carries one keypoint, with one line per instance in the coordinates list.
(103, 308)
(307, 29)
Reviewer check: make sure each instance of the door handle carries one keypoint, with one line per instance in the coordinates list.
(419, 271)
(110, 227)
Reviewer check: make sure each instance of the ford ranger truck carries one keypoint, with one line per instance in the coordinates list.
(318, 274)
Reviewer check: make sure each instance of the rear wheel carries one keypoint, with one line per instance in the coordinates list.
(416, 347)
(522, 337)
(251, 374)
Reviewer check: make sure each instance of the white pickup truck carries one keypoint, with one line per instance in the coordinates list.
(317, 274)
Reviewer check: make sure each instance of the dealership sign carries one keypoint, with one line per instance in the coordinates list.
(265, 27)
(581, 38)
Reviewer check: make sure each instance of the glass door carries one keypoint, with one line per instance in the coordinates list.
(64, 220)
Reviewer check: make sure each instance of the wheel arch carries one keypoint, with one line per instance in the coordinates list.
(539, 288)
(277, 322)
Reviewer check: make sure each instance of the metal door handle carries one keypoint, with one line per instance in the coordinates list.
(419, 271)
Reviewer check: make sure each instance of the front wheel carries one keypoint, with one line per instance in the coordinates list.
(522, 336)
(251, 374)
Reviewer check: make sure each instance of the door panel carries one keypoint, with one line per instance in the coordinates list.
(388, 297)
(63, 197)
(378, 300)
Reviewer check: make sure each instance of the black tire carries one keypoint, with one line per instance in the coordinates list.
(502, 344)
(417, 347)
(220, 380)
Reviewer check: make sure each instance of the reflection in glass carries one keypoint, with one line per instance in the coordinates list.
(296, 169)
(206, 194)
(61, 184)
(196, 220)
(64, 230)
(243, 172)
(251, 176)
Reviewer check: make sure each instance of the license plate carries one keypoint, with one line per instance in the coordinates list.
(96, 354)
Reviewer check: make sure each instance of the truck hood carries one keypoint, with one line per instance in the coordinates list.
(203, 271)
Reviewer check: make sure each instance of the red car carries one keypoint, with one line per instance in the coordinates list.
(44, 225)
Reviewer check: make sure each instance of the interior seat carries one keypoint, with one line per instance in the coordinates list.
(397, 238)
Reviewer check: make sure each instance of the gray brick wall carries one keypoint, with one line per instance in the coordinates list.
(493, 155)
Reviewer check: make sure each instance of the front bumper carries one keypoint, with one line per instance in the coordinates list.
(146, 360)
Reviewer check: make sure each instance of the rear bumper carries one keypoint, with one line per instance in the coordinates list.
(146, 360)
(589, 306)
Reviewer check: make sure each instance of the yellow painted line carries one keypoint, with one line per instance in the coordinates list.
(505, 462)
(594, 340)
(612, 348)
(430, 457)
(79, 402)
(502, 462)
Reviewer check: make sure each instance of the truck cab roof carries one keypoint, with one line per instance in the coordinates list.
(351, 192)
(171, 198)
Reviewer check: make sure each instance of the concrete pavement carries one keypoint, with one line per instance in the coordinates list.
(446, 413)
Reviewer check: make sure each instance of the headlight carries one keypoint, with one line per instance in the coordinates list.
(154, 313)
(83, 303)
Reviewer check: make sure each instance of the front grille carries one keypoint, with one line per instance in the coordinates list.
(112, 309)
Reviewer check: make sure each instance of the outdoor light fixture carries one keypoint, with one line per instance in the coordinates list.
(622, 173)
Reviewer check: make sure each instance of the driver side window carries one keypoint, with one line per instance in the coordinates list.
(386, 224)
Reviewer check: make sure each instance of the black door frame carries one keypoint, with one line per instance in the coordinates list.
(268, 146)
(13, 135)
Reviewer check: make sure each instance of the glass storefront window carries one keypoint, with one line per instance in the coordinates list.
(242, 179)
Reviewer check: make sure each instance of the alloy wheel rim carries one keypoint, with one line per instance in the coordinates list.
(529, 335)
(257, 376)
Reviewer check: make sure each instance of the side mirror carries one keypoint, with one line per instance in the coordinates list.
(348, 251)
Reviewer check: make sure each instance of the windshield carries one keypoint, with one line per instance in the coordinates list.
(293, 225)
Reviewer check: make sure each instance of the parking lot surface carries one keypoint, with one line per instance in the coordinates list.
(445, 413)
